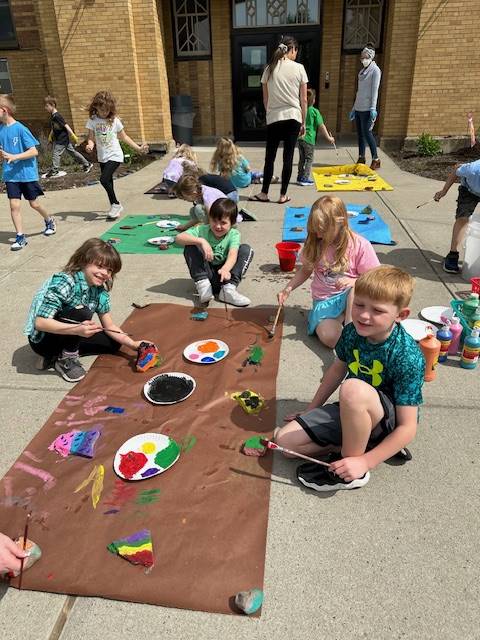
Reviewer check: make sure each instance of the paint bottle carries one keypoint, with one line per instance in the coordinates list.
(471, 350)
(456, 330)
(444, 335)
(474, 320)
(469, 305)
(430, 347)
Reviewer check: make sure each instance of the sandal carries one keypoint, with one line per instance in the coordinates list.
(256, 198)
(283, 200)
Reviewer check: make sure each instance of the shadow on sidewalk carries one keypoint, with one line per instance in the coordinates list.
(23, 359)
(88, 216)
(8, 237)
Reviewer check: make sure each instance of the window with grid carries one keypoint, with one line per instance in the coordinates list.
(7, 29)
(274, 13)
(362, 23)
(5, 80)
(191, 28)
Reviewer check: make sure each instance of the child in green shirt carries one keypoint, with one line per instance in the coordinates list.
(306, 144)
(214, 256)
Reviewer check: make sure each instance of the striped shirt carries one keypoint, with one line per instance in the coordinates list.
(66, 291)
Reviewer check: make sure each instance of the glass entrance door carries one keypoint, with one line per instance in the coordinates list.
(250, 55)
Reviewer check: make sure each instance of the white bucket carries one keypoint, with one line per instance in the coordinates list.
(471, 262)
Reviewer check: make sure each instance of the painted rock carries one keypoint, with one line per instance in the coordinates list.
(249, 601)
(35, 554)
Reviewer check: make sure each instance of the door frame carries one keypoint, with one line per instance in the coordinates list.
(270, 35)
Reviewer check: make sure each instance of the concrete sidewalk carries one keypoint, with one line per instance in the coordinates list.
(396, 559)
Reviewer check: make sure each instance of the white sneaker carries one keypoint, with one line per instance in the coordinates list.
(115, 211)
(230, 295)
(204, 290)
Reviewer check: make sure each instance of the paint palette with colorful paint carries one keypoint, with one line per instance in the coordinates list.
(169, 388)
(206, 351)
(161, 240)
(168, 224)
(145, 455)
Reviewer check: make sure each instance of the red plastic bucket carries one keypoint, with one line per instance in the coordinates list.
(287, 254)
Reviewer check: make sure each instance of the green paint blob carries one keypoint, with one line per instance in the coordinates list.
(167, 456)
(254, 443)
(188, 443)
(256, 355)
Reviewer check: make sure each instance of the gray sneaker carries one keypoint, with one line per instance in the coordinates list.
(70, 369)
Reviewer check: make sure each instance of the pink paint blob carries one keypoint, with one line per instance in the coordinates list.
(47, 478)
(30, 455)
(89, 407)
(63, 443)
(194, 356)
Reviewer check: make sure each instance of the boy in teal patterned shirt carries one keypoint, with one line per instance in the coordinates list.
(380, 369)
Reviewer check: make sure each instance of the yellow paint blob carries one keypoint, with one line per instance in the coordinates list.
(148, 447)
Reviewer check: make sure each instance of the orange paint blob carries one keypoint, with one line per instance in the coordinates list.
(208, 347)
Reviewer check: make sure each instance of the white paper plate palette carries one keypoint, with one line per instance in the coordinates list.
(169, 388)
(206, 351)
(168, 224)
(434, 314)
(145, 455)
(161, 240)
(417, 328)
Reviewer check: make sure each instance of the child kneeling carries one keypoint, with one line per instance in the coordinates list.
(60, 326)
(380, 370)
(216, 260)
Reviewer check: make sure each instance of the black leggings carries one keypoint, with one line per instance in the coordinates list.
(286, 130)
(106, 178)
(52, 344)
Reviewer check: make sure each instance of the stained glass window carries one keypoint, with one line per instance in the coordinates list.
(5, 80)
(274, 13)
(191, 26)
(362, 24)
(7, 30)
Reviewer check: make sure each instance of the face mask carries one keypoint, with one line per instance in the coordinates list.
(365, 62)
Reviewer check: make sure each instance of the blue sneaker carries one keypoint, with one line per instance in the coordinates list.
(50, 226)
(302, 182)
(20, 242)
(308, 182)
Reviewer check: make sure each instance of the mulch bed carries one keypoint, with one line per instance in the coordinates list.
(436, 167)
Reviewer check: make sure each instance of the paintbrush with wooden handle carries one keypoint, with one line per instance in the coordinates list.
(25, 536)
(275, 447)
(271, 333)
(109, 330)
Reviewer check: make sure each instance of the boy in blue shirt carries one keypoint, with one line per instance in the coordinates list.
(306, 144)
(468, 197)
(379, 369)
(20, 173)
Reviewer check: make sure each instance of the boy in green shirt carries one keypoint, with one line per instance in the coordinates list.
(214, 256)
(306, 144)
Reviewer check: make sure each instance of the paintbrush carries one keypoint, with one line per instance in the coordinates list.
(334, 146)
(25, 536)
(109, 330)
(271, 333)
(424, 203)
(275, 447)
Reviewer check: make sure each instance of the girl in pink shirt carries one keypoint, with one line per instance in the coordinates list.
(336, 257)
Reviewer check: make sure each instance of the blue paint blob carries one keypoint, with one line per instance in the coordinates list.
(207, 359)
(150, 472)
(219, 354)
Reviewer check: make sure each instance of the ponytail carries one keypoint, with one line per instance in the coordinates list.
(286, 44)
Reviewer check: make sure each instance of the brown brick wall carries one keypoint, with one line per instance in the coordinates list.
(447, 68)
(330, 59)
(221, 21)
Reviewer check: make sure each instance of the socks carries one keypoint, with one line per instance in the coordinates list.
(69, 354)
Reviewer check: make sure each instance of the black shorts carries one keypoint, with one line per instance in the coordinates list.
(323, 425)
(29, 190)
(466, 202)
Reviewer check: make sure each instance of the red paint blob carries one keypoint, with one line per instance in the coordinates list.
(131, 463)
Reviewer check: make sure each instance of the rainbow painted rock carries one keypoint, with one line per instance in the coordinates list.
(148, 356)
(136, 548)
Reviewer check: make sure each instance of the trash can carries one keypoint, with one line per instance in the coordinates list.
(181, 108)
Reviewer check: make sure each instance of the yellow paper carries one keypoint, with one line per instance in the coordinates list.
(342, 178)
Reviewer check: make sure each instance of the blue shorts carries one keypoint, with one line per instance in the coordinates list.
(29, 190)
(329, 308)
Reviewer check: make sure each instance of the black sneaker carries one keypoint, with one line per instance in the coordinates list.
(51, 173)
(247, 216)
(403, 455)
(70, 369)
(320, 478)
(450, 262)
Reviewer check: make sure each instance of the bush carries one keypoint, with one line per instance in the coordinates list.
(130, 154)
(427, 145)
(44, 158)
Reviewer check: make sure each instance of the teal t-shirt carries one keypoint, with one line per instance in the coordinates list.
(241, 177)
(16, 138)
(396, 366)
(220, 246)
(313, 120)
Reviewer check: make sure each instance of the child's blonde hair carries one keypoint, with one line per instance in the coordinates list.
(225, 157)
(189, 187)
(103, 100)
(7, 101)
(386, 284)
(98, 252)
(186, 152)
(311, 97)
(329, 219)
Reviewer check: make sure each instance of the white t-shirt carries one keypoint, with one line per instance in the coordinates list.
(106, 138)
(284, 91)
